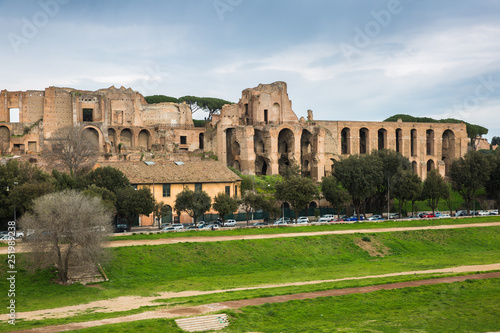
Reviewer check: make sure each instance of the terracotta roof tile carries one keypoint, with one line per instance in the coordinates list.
(169, 172)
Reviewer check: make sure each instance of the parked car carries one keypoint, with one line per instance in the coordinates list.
(302, 220)
(329, 216)
(375, 217)
(437, 214)
(324, 220)
(282, 220)
(494, 212)
(211, 226)
(121, 227)
(230, 223)
(483, 213)
(443, 216)
(279, 222)
(461, 213)
(394, 216)
(259, 224)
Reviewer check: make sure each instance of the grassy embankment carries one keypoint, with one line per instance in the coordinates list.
(470, 306)
(146, 270)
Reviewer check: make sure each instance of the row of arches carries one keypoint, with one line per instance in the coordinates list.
(286, 152)
(383, 138)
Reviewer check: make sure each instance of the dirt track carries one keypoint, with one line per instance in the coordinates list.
(203, 309)
(126, 303)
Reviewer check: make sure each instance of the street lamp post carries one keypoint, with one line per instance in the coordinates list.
(15, 215)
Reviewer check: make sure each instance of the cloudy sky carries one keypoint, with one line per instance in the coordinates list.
(344, 59)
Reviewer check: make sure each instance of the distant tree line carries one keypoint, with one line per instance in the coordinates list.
(472, 130)
(207, 104)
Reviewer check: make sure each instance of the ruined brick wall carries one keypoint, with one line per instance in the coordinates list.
(58, 109)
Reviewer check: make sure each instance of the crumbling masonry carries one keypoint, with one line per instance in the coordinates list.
(259, 135)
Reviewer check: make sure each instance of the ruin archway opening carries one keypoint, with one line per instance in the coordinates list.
(363, 141)
(345, 141)
(429, 140)
(430, 165)
(399, 140)
(126, 138)
(144, 138)
(261, 166)
(414, 147)
(448, 149)
(285, 149)
(382, 139)
(111, 136)
(91, 135)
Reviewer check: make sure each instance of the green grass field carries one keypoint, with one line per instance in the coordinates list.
(146, 270)
(470, 306)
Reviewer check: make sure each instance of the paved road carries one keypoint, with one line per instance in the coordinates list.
(119, 243)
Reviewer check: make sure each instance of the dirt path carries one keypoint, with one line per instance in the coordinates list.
(202, 309)
(119, 243)
(126, 303)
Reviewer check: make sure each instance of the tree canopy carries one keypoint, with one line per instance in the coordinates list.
(73, 149)
(468, 174)
(131, 202)
(107, 177)
(66, 228)
(297, 191)
(155, 99)
(334, 193)
(434, 189)
(360, 175)
(472, 130)
(195, 203)
(224, 205)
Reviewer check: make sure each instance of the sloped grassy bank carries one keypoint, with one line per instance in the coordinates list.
(144, 270)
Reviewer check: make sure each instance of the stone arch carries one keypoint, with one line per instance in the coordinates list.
(429, 142)
(448, 150)
(232, 147)
(261, 166)
(285, 149)
(364, 142)
(413, 143)
(414, 167)
(91, 135)
(345, 141)
(399, 140)
(126, 137)
(306, 152)
(259, 142)
(166, 214)
(382, 139)
(430, 165)
(144, 139)
(112, 136)
(4, 139)
(236, 165)
(276, 111)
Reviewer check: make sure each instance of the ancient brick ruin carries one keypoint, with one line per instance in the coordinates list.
(259, 135)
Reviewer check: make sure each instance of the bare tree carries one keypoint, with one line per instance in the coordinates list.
(73, 148)
(64, 229)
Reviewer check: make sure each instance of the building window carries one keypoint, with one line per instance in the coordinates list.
(87, 114)
(228, 190)
(235, 191)
(198, 187)
(183, 140)
(166, 190)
